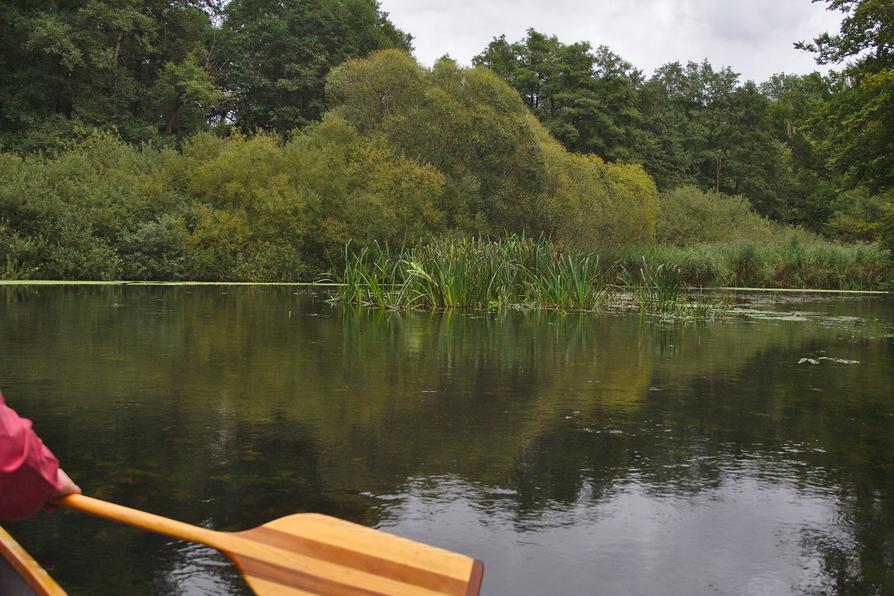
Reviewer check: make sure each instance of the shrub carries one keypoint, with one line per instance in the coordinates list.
(687, 216)
(154, 249)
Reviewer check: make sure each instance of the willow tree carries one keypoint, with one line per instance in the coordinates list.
(503, 171)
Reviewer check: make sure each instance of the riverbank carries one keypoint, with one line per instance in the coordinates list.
(525, 273)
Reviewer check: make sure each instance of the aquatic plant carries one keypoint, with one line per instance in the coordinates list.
(514, 272)
(656, 287)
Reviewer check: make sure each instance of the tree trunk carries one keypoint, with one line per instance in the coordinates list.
(717, 174)
(118, 45)
(172, 119)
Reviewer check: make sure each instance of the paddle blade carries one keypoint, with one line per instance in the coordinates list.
(317, 554)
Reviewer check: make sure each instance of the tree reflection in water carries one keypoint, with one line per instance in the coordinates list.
(572, 452)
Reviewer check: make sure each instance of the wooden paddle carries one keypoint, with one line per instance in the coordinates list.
(308, 553)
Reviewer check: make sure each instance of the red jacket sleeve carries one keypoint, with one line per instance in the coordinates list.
(28, 471)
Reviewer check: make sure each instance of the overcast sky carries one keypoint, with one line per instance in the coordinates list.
(754, 37)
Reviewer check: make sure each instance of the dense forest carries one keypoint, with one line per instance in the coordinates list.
(253, 139)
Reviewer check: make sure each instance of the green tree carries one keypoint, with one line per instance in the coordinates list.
(279, 53)
(687, 124)
(858, 120)
(811, 187)
(466, 123)
(503, 170)
(185, 92)
(89, 64)
(667, 153)
(712, 131)
(866, 36)
(860, 116)
(586, 98)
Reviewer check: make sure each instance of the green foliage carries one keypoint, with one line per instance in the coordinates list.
(466, 123)
(591, 203)
(866, 35)
(279, 54)
(66, 215)
(687, 124)
(258, 63)
(792, 260)
(392, 79)
(408, 153)
(586, 98)
(861, 216)
(154, 249)
(502, 170)
(688, 216)
(89, 64)
(855, 127)
(716, 239)
(307, 196)
(859, 122)
(185, 92)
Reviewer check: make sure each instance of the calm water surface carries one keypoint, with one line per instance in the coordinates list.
(576, 454)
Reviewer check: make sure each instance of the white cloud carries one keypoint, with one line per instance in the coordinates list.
(754, 37)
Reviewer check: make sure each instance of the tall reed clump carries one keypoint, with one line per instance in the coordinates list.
(566, 280)
(474, 273)
(515, 272)
(655, 287)
(459, 274)
(370, 277)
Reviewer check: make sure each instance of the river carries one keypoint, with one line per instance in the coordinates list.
(574, 453)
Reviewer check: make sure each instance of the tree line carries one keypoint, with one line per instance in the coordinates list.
(809, 150)
(404, 154)
(154, 69)
(251, 139)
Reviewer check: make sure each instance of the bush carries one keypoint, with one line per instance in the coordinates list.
(687, 216)
(154, 250)
(64, 214)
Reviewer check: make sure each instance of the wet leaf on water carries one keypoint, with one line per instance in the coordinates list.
(839, 360)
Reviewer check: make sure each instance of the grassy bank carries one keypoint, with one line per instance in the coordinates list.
(786, 263)
(523, 272)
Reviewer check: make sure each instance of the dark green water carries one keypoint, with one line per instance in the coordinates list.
(573, 454)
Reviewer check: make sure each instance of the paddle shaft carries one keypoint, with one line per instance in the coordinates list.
(141, 519)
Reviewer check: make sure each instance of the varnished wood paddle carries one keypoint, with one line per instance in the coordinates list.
(308, 553)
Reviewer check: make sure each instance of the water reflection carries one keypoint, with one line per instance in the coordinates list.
(573, 453)
(743, 536)
(196, 569)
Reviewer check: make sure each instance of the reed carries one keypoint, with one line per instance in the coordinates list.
(514, 272)
(525, 272)
(656, 287)
(792, 261)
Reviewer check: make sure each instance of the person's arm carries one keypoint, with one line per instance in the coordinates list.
(29, 474)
